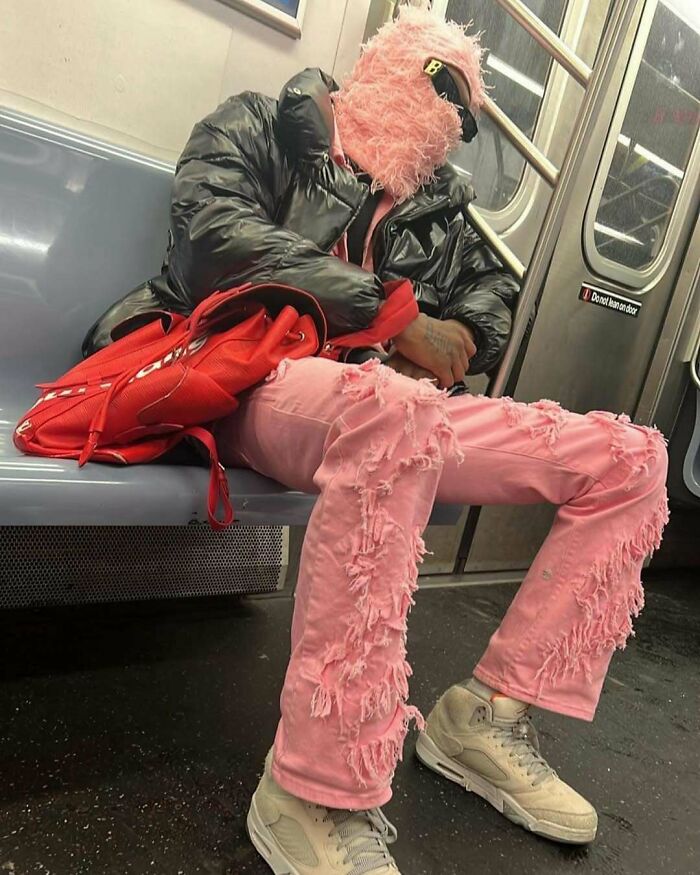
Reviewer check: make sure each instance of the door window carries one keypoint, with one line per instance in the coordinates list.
(652, 151)
(517, 69)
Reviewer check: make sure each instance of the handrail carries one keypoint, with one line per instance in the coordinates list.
(549, 40)
(509, 259)
(694, 356)
(617, 31)
(523, 144)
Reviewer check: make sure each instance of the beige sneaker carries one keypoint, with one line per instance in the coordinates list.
(489, 746)
(299, 838)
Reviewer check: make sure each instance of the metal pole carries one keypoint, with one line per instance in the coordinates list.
(694, 359)
(509, 259)
(621, 18)
(549, 40)
(527, 149)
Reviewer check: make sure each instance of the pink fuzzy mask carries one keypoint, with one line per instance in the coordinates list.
(391, 121)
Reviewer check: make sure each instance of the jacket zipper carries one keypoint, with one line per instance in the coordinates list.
(365, 195)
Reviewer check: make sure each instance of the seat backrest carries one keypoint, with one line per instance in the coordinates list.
(81, 223)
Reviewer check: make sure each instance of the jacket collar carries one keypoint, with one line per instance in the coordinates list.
(452, 188)
(305, 119)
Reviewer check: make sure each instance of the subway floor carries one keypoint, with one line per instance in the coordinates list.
(131, 737)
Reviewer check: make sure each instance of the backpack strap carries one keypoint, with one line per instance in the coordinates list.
(99, 420)
(218, 481)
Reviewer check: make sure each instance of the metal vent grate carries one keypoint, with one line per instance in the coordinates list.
(51, 565)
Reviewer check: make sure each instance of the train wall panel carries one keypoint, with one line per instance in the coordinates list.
(139, 74)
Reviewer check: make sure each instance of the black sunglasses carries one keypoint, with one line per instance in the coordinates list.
(445, 85)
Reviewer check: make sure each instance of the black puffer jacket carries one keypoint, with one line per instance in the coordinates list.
(257, 197)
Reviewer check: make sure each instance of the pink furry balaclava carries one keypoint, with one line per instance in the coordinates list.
(391, 121)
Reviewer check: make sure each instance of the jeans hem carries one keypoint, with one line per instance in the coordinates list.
(535, 699)
(323, 795)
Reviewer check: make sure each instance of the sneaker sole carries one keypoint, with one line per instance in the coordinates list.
(266, 845)
(432, 757)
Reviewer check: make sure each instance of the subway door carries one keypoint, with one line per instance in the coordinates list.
(613, 275)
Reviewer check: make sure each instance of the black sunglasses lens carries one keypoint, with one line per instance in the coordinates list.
(469, 126)
(446, 87)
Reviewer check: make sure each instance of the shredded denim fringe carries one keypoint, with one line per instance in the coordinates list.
(378, 758)
(609, 604)
(381, 606)
(279, 372)
(555, 418)
(617, 427)
(514, 411)
(552, 418)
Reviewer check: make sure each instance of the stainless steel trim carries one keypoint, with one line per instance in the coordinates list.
(470, 578)
(642, 280)
(503, 251)
(378, 13)
(666, 378)
(694, 356)
(549, 40)
(49, 132)
(689, 342)
(440, 6)
(523, 144)
(621, 19)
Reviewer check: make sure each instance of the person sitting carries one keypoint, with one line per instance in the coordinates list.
(336, 191)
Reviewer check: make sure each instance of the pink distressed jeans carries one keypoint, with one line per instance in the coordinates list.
(379, 449)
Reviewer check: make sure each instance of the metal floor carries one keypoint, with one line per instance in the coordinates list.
(130, 739)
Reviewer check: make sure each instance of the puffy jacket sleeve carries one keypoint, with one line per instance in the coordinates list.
(483, 297)
(225, 194)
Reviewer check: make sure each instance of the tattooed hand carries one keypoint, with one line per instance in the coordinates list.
(443, 348)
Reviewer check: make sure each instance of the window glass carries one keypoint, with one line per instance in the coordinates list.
(652, 151)
(516, 68)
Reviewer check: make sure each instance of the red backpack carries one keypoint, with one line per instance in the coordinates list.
(163, 381)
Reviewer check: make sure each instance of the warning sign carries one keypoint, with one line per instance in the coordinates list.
(610, 300)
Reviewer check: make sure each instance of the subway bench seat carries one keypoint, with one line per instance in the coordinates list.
(82, 222)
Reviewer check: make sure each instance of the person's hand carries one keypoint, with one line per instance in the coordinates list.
(443, 348)
(405, 366)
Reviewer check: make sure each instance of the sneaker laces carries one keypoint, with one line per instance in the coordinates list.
(364, 836)
(520, 740)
